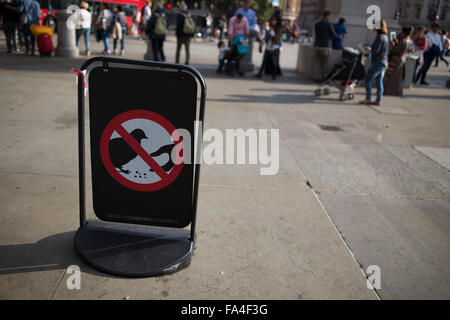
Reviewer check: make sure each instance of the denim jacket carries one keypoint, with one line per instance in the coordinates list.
(32, 8)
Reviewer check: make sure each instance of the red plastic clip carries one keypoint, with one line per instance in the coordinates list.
(80, 73)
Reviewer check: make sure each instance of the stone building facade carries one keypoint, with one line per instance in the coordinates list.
(290, 9)
(422, 12)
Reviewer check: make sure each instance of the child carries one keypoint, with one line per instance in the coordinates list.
(222, 52)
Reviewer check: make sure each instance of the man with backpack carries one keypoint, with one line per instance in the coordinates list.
(185, 31)
(156, 30)
(30, 13)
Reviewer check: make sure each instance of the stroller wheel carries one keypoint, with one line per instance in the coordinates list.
(326, 91)
(351, 96)
(342, 96)
(318, 92)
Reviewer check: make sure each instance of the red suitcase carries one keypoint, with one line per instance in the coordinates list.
(45, 44)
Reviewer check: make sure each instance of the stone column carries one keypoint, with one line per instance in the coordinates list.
(66, 37)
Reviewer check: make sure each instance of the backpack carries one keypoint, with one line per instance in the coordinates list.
(189, 24)
(23, 18)
(160, 25)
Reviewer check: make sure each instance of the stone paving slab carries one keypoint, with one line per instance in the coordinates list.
(253, 243)
(369, 170)
(407, 238)
(38, 217)
(440, 155)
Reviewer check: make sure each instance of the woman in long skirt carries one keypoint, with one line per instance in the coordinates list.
(395, 74)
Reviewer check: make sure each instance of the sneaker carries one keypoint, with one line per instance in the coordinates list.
(88, 53)
(375, 103)
(424, 82)
(115, 52)
(122, 52)
(365, 101)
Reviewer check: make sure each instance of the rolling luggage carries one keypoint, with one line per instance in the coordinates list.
(45, 44)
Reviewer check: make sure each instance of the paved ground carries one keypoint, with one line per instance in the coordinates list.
(375, 193)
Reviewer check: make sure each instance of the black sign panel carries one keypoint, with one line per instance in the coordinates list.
(134, 116)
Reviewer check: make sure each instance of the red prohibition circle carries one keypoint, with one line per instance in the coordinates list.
(117, 122)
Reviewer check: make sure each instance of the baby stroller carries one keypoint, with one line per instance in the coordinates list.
(344, 76)
(239, 48)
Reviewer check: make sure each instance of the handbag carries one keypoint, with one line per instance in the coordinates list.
(23, 19)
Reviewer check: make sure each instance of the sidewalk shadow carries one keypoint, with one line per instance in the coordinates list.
(274, 99)
(51, 253)
(289, 75)
(55, 252)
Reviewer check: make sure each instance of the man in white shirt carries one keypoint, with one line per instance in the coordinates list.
(146, 15)
(433, 51)
(442, 53)
(83, 25)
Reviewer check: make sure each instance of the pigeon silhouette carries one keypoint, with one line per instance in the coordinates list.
(121, 153)
(166, 149)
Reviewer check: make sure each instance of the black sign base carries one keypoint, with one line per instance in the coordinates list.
(133, 251)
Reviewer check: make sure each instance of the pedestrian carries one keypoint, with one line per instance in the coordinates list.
(420, 45)
(379, 52)
(185, 31)
(103, 22)
(119, 29)
(444, 49)
(207, 26)
(222, 53)
(434, 48)
(249, 14)
(395, 73)
(272, 42)
(135, 23)
(222, 26)
(30, 13)
(10, 21)
(340, 30)
(83, 26)
(238, 26)
(146, 14)
(295, 32)
(323, 34)
(253, 26)
(156, 30)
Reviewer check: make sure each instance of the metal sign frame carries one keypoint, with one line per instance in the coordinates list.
(115, 234)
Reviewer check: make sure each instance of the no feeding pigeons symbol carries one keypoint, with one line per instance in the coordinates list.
(136, 148)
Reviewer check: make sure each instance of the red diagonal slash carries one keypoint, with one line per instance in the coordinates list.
(141, 151)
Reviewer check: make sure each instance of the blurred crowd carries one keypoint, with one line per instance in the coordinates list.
(237, 33)
(388, 54)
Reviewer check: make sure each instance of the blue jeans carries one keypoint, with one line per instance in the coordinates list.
(105, 37)
(29, 39)
(376, 71)
(85, 32)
